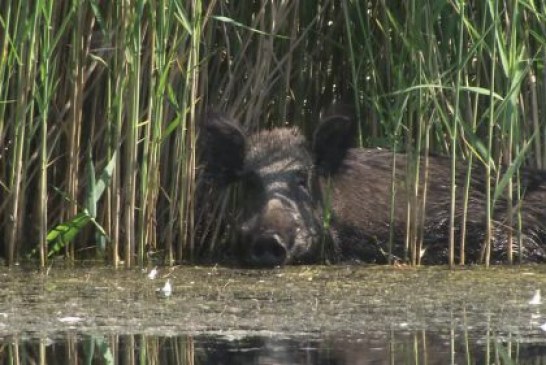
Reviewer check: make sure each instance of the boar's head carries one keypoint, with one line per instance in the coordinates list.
(279, 219)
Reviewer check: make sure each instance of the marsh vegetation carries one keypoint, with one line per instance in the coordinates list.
(101, 102)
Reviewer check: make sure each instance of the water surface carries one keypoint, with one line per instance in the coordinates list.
(305, 314)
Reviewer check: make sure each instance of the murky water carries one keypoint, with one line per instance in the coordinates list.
(294, 315)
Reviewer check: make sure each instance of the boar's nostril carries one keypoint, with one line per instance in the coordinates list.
(268, 250)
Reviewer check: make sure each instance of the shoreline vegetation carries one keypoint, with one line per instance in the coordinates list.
(101, 102)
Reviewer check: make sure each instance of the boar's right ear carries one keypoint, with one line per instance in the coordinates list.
(333, 138)
(224, 148)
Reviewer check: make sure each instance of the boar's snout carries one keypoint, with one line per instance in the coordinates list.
(268, 250)
(267, 238)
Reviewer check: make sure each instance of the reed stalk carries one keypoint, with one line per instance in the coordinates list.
(490, 135)
(45, 92)
(455, 127)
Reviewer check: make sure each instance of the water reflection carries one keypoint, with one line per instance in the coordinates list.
(418, 347)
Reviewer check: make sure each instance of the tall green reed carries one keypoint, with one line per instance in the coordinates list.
(130, 81)
(461, 52)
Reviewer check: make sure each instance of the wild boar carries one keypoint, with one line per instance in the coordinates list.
(306, 201)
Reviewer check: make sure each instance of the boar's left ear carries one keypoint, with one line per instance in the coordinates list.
(333, 138)
(224, 148)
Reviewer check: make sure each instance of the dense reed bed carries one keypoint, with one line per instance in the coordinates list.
(101, 101)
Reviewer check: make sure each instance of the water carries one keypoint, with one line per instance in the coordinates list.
(294, 315)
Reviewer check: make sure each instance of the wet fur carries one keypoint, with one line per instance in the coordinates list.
(362, 205)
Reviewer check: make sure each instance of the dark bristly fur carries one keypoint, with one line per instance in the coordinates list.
(286, 185)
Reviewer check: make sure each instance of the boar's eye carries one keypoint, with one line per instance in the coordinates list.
(251, 182)
(302, 177)
(251, 192)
